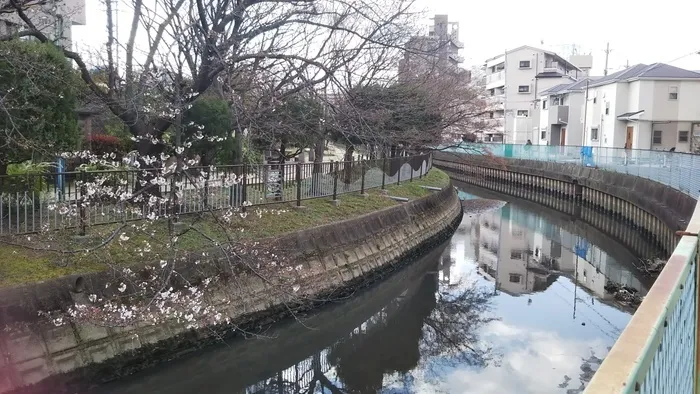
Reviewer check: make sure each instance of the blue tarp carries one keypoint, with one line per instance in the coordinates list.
(581, 248)
(587, 156)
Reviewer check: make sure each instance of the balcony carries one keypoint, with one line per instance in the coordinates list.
(559, 114)
(497, 102)
(494, 126)
(496, 79)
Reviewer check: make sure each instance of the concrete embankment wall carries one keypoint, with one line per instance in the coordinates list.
(333, 261)
(656, 210)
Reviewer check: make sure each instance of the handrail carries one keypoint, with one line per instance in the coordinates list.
(656, 353)
(31, 203)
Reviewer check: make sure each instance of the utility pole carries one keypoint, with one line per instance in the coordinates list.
(607, 54)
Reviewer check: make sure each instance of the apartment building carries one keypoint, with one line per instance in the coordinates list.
(561, 113)
(440, 48)
(644, 107)
(54, 18)
(512, 80)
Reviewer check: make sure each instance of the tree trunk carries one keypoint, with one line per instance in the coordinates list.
(238, 147)
(150, 170)
(349, 151)
(280, 170)
(317, 174)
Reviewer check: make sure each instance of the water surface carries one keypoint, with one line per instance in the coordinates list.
(515, 302)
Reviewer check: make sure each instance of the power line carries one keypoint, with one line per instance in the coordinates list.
(697, 52)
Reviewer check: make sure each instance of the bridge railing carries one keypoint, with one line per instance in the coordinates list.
(658, 350)
(675, 169)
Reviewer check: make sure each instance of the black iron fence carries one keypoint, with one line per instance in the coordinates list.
(42, 202)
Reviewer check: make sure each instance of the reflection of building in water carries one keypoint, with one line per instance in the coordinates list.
(506, 254)
(524, 253)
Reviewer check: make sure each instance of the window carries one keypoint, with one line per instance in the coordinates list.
(594, 134)
(544, 104)
(561, 101)
(523, 113)
(607, 108)
(683, 136)
(517, 233)
(524, 89)
(595, 100)
(555, 100)
(673, 93)
(657, 137)
(514, 278)
(516, 254)
(543, 134)
(524, 64)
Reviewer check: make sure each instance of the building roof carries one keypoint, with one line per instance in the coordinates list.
(568, 87)
(554, 54)
(550, 74)
(628, 115)
(645, 71)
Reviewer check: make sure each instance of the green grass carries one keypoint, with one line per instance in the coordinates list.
(33, 258)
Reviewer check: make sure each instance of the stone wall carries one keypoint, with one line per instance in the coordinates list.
(656, 210)
(335, 260)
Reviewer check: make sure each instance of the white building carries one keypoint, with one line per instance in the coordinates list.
(644, 107)
(53, 18)
(440, 48)
(561, 114)
(512, 80)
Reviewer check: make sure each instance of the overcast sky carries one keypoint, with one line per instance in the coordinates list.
(638, 32)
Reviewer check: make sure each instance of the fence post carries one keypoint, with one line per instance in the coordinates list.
(411, 171)
(335, 181)
(244, 192)
(384, 173)
(81, 204)
(298, 184)
(362, 181)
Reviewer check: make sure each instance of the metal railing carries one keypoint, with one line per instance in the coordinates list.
(48, 201)
(678, 170)
(658, 350)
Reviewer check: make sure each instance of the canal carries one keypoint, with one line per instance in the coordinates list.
(515, 302)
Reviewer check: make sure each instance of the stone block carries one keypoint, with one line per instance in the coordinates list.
(25, 346)
(33, 371)
(68, 361)
(89, 333)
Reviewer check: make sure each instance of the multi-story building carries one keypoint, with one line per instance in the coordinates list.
(644, 107)
(512, 80)
(52, 17)
(440, 48)
(561, 113)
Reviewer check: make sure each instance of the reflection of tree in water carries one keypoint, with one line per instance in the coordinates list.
(434, 322)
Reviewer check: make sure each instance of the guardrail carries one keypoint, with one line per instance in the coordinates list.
(658, 350)
(49, 201)
(678, 170)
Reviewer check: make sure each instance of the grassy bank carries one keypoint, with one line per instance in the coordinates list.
(25, 259)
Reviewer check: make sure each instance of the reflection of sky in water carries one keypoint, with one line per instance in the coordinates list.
(548, 337)
(538, 345)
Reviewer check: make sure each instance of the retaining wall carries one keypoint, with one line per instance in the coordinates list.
(335, 260)
(654, 209)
